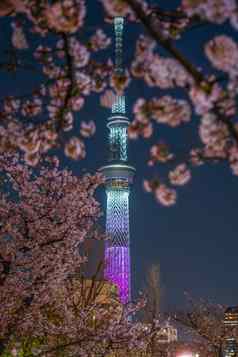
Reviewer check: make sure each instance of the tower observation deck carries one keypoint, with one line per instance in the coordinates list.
(119, 176)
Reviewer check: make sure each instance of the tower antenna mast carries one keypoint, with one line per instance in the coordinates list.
(119, 105)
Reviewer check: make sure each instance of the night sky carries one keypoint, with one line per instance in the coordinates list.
(195, 242)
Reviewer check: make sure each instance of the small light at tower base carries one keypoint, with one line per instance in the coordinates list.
(188, 354)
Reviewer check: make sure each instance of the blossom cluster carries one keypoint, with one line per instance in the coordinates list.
(222, 51)
(164, 194)
(159, 153)
(180, 175)
(164, 110)
(157, 71)
(70, 72)
(40, 235)
(217, 11)
(66, 16)
(121, 8)
(170, 28)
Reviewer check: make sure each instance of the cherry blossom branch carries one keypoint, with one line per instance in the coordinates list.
(198, 77)
(192, 23)
(226, 121)
(200, 155)
(69, 75)
(165, 43)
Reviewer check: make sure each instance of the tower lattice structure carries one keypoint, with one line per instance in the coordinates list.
(119, 176)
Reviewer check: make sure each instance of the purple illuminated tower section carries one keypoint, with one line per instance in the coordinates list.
(119, 175)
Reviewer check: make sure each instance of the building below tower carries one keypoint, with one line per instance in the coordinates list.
(231, 322)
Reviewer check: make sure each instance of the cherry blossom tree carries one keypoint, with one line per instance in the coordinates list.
(44, 119)
(84, 318)
(45, 216)
(47, 306)
(205, 322)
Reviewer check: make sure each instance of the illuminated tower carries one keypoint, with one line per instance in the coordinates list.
(119, 175)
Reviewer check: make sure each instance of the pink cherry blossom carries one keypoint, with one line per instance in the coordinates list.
(79, 52)
(116, 8)
(65, 17)
(67, 122)
(9, 6)
(6, 7)
(59, 88)
(83, 83)
(170, 28)
(77, 103)
(121, 8)
(145, 47)
(147, 186)
(43, 54)
(156, 70)
(87, 129)
(222, 51)
(180, 175)
(75, 149)
(40, 235)
(159, 153)
(99, 41)
(107, 98)
(205, 99)
(233, 159)
(138, 128)
(19, 40)
(164, 110)
(11, 105)
(31, 144)
(166, 73)
(196, 157)
(213, 133)
(32, 108)
(32, 159)
(170, 111)
(165, 195)
(216, 11)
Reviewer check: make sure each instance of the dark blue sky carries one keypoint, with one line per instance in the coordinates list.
(195, 241)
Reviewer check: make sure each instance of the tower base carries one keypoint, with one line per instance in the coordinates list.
(117, 270)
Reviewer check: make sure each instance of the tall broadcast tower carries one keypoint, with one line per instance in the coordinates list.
(119, 175)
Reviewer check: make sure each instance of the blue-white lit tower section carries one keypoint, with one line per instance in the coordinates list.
(119, 175)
